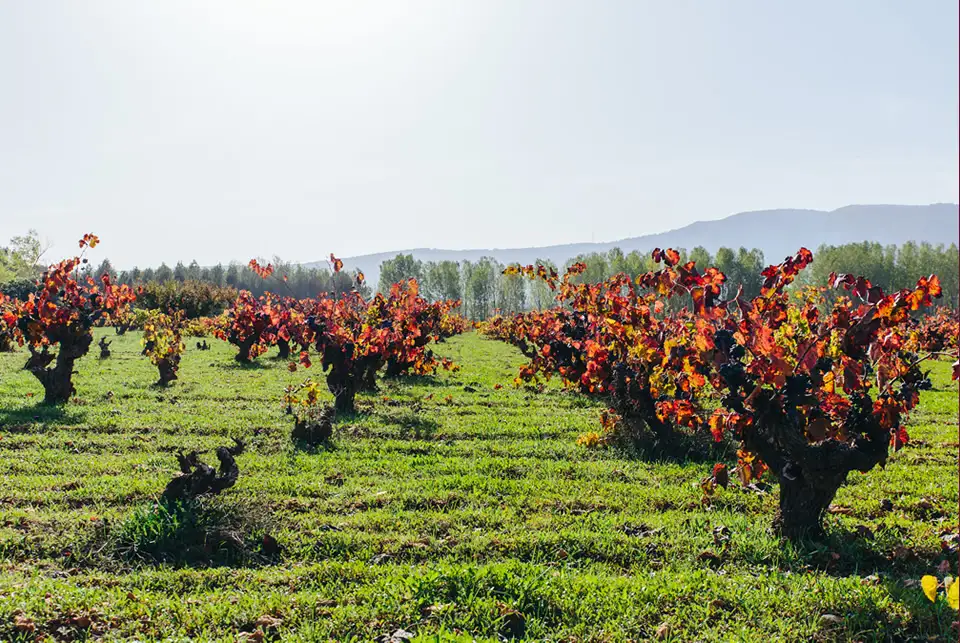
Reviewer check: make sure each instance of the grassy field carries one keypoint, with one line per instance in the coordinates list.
(452, 510)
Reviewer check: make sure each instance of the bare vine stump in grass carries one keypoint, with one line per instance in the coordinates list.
(104, 348)
(315, 427)
(198, 478)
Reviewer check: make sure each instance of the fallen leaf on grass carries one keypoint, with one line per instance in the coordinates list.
(838, 510)
(24, 623)
(708, 556)
(268, 621)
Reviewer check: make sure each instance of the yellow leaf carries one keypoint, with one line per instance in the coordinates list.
(929, 585)
(953, 595)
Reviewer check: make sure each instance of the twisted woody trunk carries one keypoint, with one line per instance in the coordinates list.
(810, 474)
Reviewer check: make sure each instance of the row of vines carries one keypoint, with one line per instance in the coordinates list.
(807, 384)
(353, 337)
(802, 383)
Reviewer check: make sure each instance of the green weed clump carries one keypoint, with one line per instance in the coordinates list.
(205, 531)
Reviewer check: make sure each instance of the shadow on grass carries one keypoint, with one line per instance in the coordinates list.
(253, 365)
(843, 552)
(934, 621)
(414, 380)
(314, 448)
(411, 424)
(862, 556)
(682, 448)
(12, 420)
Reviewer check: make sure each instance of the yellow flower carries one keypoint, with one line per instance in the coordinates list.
(953, 593)
(929, 585)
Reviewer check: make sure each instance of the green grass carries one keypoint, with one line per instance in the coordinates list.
(441, 518)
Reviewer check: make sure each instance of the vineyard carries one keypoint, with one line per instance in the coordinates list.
(648, 458)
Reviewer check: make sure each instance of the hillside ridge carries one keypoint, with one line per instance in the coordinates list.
(777, 232)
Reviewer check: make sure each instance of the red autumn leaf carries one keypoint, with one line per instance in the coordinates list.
(720, 475)
(899, 439)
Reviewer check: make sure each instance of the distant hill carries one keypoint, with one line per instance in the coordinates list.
(777, 232)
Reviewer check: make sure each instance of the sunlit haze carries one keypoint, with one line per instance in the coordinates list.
(220, 131)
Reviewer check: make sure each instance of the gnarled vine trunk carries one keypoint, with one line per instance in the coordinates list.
(283, 347)
(168, 368)
(57, 380)
(803, 502)
(395, 368)
(637, 406)
(344, 389)
(243, 356)
(368, 376)
(810, 474)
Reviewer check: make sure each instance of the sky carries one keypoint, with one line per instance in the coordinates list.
(218, 131)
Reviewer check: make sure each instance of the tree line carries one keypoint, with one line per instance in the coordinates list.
(484, 290)
(890, 267)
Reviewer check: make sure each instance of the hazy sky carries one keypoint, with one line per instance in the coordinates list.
(226, 130)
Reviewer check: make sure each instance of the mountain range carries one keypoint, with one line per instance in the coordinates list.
(778, 233)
